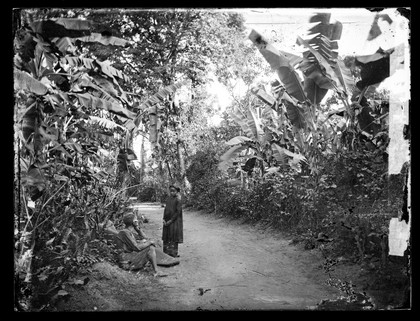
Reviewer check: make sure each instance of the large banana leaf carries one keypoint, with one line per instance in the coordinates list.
(379, 54)
(239, 117)
(312, 70)
(335, 69)
(324, 36)
(264, 96)
(163, 93)
(255, 125)
(97, 37)
(292, 58)
(78, 61)
(374, 68)
(64, 44)
(323, 51)
(331, 30)
(129, 124)
(374, 72)
(94, 102)
(281, 65)
(48, 133)
(316, 84)
(61, 27)
(346, 76)
(88, 63)
(73, 23)
(29, 119)
(110, 71)
(160, 96)
(87, 81)
(228, 157)
(295, 114)
(105, 85)
(375, 30)
(329, 71)
(24, 81)
(238, 140)
(313, 90)
(281, 154)
(34, 177)
(103, 122)
(250, 123)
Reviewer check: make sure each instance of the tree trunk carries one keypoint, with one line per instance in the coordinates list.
(153, 126)
(125, 183)
(242, 179)
(142, 160)
(169, 170)
(161, 182)
(181, 164)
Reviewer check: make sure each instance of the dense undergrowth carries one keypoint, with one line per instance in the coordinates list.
(344, 212)
(68, 250)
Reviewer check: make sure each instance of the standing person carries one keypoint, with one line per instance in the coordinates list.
(172, 233)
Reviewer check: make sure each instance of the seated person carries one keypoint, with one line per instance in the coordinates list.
(137, 254)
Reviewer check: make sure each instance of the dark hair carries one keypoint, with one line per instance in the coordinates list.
(128, 218)
(174, 187)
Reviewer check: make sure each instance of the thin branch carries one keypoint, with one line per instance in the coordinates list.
(376, 119)
(133, 94)
(26, 209)
(362, 94)
(67, 124)
(61, 74)
(112, 197)
(132, 67)
(169, 169)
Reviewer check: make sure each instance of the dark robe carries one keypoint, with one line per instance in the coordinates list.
(173, 213)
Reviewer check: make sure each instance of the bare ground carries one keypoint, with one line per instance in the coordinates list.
(236, 266)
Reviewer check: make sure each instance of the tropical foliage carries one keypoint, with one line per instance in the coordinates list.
(299, 165)
(302, 147)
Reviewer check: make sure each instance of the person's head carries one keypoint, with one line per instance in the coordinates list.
(130, 219)
(173, 190)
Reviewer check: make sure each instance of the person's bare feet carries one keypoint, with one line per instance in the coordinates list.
(159, 274)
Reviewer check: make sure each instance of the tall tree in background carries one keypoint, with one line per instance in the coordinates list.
(169, 46)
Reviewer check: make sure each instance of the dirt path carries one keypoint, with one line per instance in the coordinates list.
(241, 266)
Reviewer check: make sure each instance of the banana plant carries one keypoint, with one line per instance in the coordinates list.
(154, 107)
(55, 98)
(323, 70)
(294, 96)
(253, 144)
(258, 146)
(320, 64)
(299, 97)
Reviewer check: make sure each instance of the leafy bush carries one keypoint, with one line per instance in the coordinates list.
(146, 194)
(348, 200)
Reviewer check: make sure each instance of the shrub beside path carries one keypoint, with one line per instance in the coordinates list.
(224, 265)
